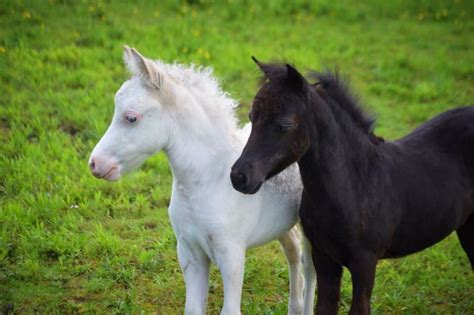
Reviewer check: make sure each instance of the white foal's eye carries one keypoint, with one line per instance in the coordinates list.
(131, 118)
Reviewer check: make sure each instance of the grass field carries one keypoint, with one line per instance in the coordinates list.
(70, 243)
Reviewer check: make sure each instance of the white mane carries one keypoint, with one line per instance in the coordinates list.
(204, 86)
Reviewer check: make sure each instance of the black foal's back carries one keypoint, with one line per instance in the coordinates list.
(429, 182)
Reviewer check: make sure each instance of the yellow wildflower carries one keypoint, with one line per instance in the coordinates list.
(26, 15)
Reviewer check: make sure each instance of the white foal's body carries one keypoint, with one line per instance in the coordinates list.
(183, 111)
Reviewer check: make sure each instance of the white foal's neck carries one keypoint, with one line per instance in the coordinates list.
(203, 139)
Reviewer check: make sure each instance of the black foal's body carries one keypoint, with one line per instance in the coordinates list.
(406, 196)
(364, 199)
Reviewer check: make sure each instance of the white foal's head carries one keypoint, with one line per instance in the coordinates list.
(142, 119)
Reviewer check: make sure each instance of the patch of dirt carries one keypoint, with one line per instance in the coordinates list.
(69, 128)
(150, 225)
(4, 126)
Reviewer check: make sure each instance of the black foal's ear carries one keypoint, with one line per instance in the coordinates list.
(266, 68)
(294, 78)
(255, 60)
(259, 64)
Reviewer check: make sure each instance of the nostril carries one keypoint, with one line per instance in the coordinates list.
(92, 165)
(238, 178)
(241, 178)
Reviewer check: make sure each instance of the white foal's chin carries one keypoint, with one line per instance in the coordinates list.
(113, 175)
(124, 168)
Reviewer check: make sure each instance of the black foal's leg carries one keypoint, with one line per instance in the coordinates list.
(466, 238)
(328, 275)
(362, 268)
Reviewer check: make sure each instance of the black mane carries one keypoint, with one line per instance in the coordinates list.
(337, 89)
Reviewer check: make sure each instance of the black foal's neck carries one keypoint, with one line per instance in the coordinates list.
(339, 147)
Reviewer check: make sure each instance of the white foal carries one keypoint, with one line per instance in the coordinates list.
(183, 111)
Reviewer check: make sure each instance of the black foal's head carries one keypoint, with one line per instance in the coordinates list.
(278, 137)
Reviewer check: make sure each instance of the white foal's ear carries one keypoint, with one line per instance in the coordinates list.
(143, 67)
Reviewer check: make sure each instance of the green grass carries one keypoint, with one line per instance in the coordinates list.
(70, 243)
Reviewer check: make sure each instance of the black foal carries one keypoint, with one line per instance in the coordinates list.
(364, 198)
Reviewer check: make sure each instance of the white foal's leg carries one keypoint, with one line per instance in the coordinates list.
(231, 261)
(195, 267)
(309, 278)
(291, 243)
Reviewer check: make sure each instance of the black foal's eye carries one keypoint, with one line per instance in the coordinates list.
(284, 127)
(131, 118)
